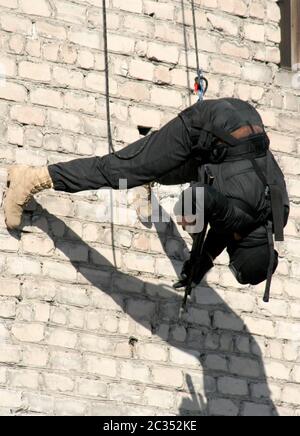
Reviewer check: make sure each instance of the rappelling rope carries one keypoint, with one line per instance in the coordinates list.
(107, 91)
(107, 96)
(109, 134)
(201, 83)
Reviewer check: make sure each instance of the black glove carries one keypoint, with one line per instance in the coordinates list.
(201, 266)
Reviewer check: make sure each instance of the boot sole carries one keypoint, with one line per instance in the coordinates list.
(10, 177)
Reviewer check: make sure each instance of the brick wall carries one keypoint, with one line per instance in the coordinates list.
(66, 314)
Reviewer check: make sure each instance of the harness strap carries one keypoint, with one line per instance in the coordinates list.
(219, 133)
(276, 202)
(269, 229)
(252, 147)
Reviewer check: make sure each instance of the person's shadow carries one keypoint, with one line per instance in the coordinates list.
(221, 361)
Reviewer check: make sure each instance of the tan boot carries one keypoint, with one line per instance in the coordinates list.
(23, 182)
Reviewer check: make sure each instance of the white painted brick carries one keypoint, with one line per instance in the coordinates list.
(39, 403)
(65, 360)
(85, 38)
(260, 327)
(13, 4)
(13, 92)
(12, 23)
(121, 44)
(153, 352)
(41, 8)
(85, 59)
(100, 366)
(64, 272)
(22, 265)
(46, 97)
(130, 5)
(254, 32)
(163, 11)
(141, 70)
(35, 71)
(223, 24)
(24, 379)
(128, 392)
(3, 375)
(256, 73)
(8, 244)
(159, 398)
(70, 407)
(35, 356)
(290, 394)
(171, 377)
(134, 371)
(165, 97)
(257, 10)
(235, 7)
(277, 370)
(61, 338)
(58, 383)
(70, 12)
(37, 245)
(15, 134)
(7, 308)
(68, 78)
(37, 289)
(28, 332)
(184, 357)
(145, 117)
(273, 12)
(9, 354)
(28, 115)
(11, 399)
(91, 388)
(162, 53)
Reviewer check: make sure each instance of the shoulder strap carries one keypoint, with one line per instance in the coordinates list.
(269, 229)
(276, 201)
(219, 133)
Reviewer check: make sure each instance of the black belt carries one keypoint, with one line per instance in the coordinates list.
(245, 151)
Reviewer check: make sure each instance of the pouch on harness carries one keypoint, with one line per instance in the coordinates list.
(226, 148)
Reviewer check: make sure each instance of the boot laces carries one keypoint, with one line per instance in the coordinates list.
(41, 186)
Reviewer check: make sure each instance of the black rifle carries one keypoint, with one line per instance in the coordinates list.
(197, 251)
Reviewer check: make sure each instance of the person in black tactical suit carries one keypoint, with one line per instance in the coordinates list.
(246, 204)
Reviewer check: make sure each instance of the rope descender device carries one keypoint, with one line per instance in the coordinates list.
(200, 86)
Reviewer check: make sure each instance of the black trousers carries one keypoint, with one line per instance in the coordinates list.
(165, 156)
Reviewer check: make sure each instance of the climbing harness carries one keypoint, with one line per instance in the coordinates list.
(232, 149)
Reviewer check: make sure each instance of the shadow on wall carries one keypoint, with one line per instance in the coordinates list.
(227, 375)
